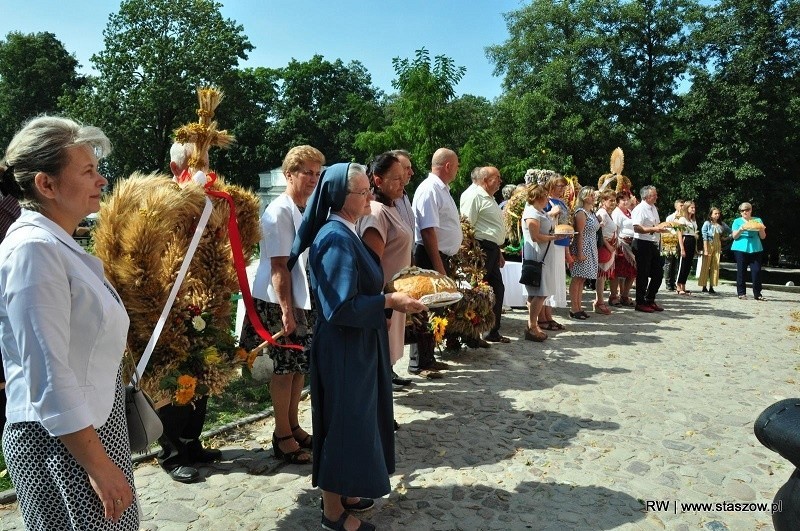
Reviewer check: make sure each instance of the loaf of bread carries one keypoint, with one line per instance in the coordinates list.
(564, 229)
(753, 225)
(425, 285)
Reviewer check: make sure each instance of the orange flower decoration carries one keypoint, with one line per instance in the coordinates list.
(185, 391)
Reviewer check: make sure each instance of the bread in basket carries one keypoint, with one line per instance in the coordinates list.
(430, 287)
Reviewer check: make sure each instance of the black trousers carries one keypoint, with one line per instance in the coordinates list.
(180, 442)
(685, 263)
(494, 278)
(420, 354)
(421, 259)
(649, 270)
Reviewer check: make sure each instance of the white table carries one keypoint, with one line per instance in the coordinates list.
(515, 292)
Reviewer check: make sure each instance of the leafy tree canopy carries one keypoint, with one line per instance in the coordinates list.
(35, 70)
(157, 52)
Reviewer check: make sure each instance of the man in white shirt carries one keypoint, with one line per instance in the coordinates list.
(437, 237)
(480, 208)
(649, 266)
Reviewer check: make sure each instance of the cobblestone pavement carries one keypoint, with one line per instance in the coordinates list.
(576, 433)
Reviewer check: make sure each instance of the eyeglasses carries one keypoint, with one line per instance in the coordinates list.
(310, 173)
(745, 210)
(362, 193)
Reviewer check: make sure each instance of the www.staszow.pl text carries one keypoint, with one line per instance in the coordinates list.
(675, 507)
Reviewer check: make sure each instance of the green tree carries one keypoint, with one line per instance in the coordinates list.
(421, 113)
(583, 77)
(324, 104)
(739, 123)
(249, 105)
(551, 114)
(35, 71)
(157, 52)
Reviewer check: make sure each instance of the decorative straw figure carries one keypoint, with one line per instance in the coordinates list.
(623, 184)
(143, 234)
(204, 133)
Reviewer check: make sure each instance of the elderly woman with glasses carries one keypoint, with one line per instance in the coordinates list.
(747, 235)
(283, 301)
(351, 376)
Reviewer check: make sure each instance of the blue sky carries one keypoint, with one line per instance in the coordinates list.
(372, 32)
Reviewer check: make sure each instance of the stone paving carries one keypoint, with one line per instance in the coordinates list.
(579, 432)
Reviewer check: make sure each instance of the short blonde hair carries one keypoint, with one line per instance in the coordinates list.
(536, 192)
(583, 194)
(300, 154)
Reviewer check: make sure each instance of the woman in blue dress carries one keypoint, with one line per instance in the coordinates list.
(351, 376)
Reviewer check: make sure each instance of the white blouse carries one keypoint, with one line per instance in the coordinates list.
(63, 329)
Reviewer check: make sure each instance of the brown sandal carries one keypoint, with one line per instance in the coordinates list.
(530, 335)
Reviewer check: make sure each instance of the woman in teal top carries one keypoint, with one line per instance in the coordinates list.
(747, 249)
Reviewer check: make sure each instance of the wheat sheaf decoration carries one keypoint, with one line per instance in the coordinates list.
(143, 232)
(615, 180)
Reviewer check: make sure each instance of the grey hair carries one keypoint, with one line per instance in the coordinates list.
(40, 146)
(646, 190)
(508, 190)
(353, 171)
(745, 205)
(401, 152)
(477, 174)
(180, 153)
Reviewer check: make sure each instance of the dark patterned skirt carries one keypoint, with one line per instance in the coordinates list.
(53, 490)
(284, 360)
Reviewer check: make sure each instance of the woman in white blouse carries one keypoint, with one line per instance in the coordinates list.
(63, 330)
(687, 242)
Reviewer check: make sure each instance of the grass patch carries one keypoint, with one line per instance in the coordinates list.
(243, 396)
(5, 481)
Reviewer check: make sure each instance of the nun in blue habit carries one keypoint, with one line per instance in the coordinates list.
(351, 376)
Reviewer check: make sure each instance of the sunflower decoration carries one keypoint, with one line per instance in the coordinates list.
(472, 315)
(438, 326)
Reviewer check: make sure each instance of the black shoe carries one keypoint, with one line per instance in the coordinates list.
(396, 426)
(339, 524)
(705, 289)
(477, 343)
(711, 291)
(363, 504)
(397, 380)
(184, 474)
(207, 455)
(495, 337)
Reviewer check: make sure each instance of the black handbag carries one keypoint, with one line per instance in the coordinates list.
(531, 274)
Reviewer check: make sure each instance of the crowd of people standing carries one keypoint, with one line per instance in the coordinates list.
(330, 243)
